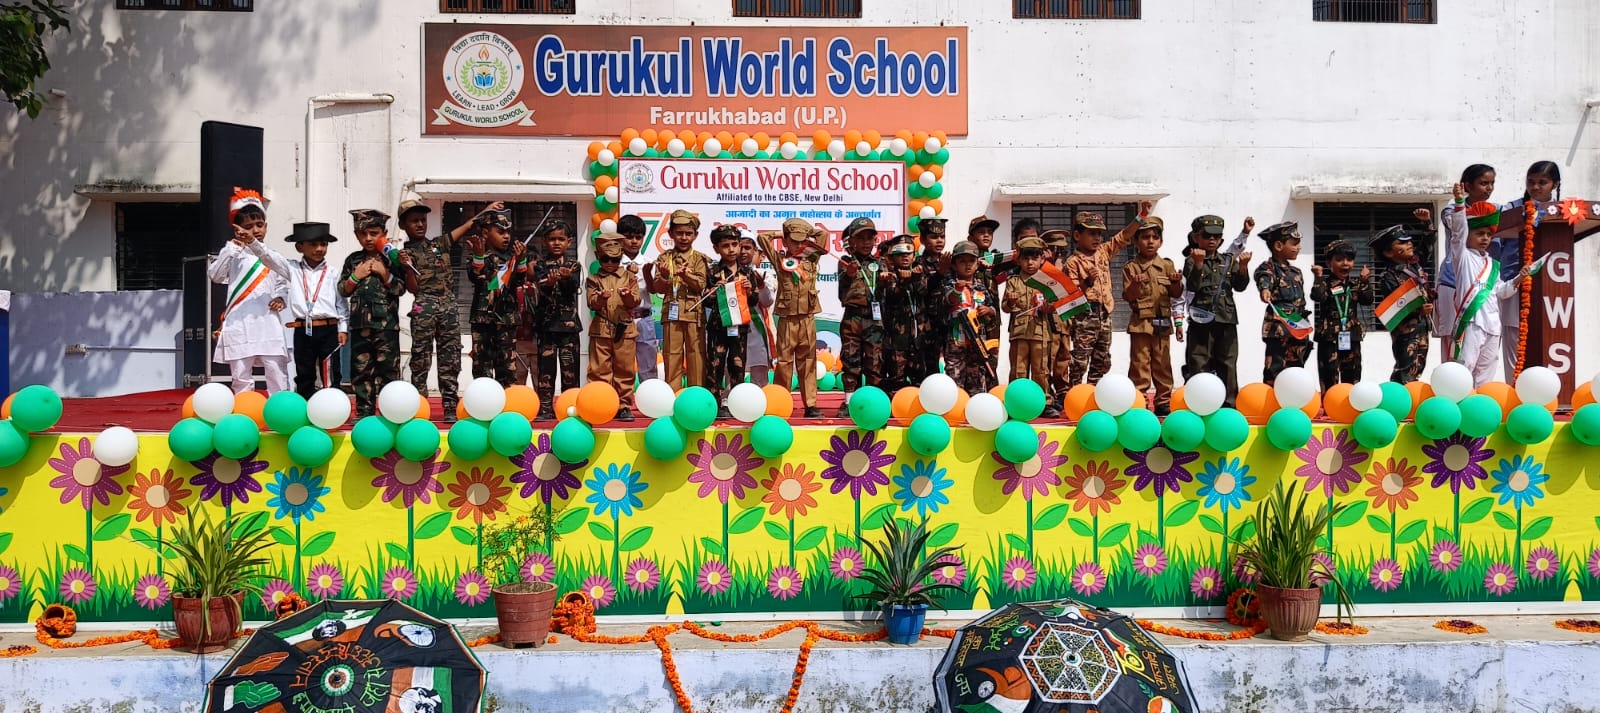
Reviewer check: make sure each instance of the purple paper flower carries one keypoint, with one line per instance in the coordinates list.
(84, 478)
(540, 471)
(723, 466)
(152, 591)
(1244, 571)
(1088, 578)
(643, 575)
(845, 564)
(325, 581)
(1150, 560)
(472, 589)
(10, 583)
(228, 479)
(410, 481)
(1594, 563)
(600, 590)
(1322, 569)
(1444, 556)
(1543, 563)
(1036, 475)
(77, 586)
(538, 567)
(713, 578)
(784, 582)
(951, 570)
(1500, 579)
(1456, 460)
(399, 583)
(1330, 458)
(1386, 575)
(274, 592)
(1019, 574)
(857, 462)
(1159, 468)
(1206, 583)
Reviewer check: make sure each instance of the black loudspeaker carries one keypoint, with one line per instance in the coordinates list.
(230, 157)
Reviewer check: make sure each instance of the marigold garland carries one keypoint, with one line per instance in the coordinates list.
(1245, 633)
(485, 640)
(1340, 628)
(1587, 626)
(58, 620)
(12, 652)
(1530, 212)
(1459, 626)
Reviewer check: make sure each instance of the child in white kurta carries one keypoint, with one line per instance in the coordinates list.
(252, 333)
(1479, 286)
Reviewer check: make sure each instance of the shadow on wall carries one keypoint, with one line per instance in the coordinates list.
(133, 80)
(133, 341)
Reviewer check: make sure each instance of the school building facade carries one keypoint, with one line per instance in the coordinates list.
(1343, 115)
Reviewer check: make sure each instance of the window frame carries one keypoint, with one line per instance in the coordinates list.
(508, 7)
(1426, 244)
(1076, 10)
(141, 265)
(1057, 215)
(1340, 10)
(795, 9)
(188, 5)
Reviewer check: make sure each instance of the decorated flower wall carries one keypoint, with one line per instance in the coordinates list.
(1453, 520)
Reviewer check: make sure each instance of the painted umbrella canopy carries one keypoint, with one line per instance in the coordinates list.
(380, 656)
(1060, 655)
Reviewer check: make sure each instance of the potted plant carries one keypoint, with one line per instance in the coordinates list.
(1283, 553)
(522, 608)
(901, 578)
(216, 566)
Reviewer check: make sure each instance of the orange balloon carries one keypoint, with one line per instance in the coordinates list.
(688, 138)
(188, 408)
(597, 403)
(937, 171)
(602, 183)
(851, 138)
(1420, 392)
(1178, 402)
(616, 148)
(937, 205)
(788, 137)
(1079, 401)
(913, 172)
(725, 138)
(999, 392)
(424, 410)
(904, 135)
(595, 219)
(918, 140)
(1581, 396)
(1314, 406)
(1503, 394)
(594, 150)
(1257, 402)
(701, 139)
(820, 139)
(461, 411)
(872, 137)
(523, 400)
(664, 135)
(566, 403)
(251, 403)
(628, 135)
(649, 136)
(915, 206)
(763, 141)
(738, 139)
(906, 404)
(957, 415)
(1337, 402)
(780, 402)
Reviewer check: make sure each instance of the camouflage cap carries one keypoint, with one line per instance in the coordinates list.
(1089, 220)
(1055, 238)
(858, 225)
(1209, 224)
(898, 245)
(496, 219)
(724, 232)
(982, 222)
(369, 218)
(411, 204)
(1286, 230)
(683, 217)
(966, 247)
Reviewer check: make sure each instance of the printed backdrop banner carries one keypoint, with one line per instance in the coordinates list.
(588, 80)
(760, 195)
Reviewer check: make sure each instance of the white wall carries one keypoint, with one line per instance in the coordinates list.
(1225, 106)
(134, 341)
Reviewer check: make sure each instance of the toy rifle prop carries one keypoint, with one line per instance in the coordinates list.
(969, 324)
(536, 228)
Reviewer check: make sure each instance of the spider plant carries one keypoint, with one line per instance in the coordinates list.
(1286, 542)
(902, 570)
(219, 558)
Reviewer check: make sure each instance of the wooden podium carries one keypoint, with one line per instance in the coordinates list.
(1551, 335)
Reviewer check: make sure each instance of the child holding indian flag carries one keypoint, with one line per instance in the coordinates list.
(1285, 330)
(731, 299)
(1479, 289)
(1407, 307)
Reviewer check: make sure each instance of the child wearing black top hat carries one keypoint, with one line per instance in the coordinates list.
(317, 314)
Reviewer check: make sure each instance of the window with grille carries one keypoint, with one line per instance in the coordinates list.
(151, 238)
(525, 220)
(1357, 223)
(201, 5)
(527, 7)
(1412, 11)
(1054, 216)
(797, 8)
(1075, 9)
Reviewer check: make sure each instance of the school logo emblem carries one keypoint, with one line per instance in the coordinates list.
(483, 72)
(639, 178)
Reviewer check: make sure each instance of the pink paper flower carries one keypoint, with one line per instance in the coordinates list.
(714, 578)
(1500, 579)
(325, 581)
(1206, 583)
(1386, 575)
(538, 567)
(1330, 458)
(274, 592)
(1543, 563)
(77, 586)
(1088, 578)
(410, 481)
(600, 590)
(845, 564)
(643, 575)
(152, 591)
(83, 478)
(951, 571)
(784, 582)
(399, 583)
(1034, 476)
(1150, 560)
(722, 466)
(1445, 556)
(472, 589)
(1019, 574)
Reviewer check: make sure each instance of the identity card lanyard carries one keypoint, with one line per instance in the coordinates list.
(311, 297)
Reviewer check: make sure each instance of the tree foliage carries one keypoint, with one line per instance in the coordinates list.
(23, 29)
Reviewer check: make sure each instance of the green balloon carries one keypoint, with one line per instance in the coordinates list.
(602, 204)
(1183, 431)
(35, 408)
(1375, 428)
(1396, 400)
(1226, 430)
(924, 158)
(915, 190)
(695, 409)
(1016, 441)
(1025, 399)
(572, 441)
(373, 436)
(828, 382)
(1437, 417)
(285, 412)
(417, 440)
(1138, 429)
(13, 444)
(1480, 415)
(1288, 429)
(941, 158)
(914, 225)
(665, 440)
(236, 436)
(929, 434)
(510, 433)
(771, 436)
(310, 446)
(1586, 425)
(469, 439)
(190, 439)
(596, 170)
(869, 408)
(1529, 424)
(935, 191)
(794, 382)
(1096, 431)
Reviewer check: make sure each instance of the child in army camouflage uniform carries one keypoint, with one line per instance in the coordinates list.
(970, 300)
(861, 329)
(1403, 282)
(374, 290)
(903, 291)
(556, 328)
(435, 327)
(1057, 248)
(498, 267)
(1285, 328)
(1335, 291)
(1213, 277)
(726, 342)
(933, 324)
(1090, 267)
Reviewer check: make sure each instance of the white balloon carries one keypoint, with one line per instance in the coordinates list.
(328, 409)
(484, 398)
(711, 147)
(1203, 392)
(927, 179)
(212, 402)
(1115, 394)
(898, 147)
(789, 150)
(399, 401)
(836, 149)
(747, 402)
(822, 370)
(1451, 380)
(637, 146)
(654, 398)
(1366, 395)
(611, 194)
(116, 445)
(749, 147)
(863, 148)
(986, 412)
(606, 158)
(1295, 387)
(1538, 385)
(607, 226)
(675, 148)
(938, 394)
(932, 145)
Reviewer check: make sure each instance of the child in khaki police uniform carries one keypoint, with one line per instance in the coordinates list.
(1090, 267)
(796, 306)
(1150, 284)
(613, 294)
(679, 276)
(1057, 248)
(1030, 315)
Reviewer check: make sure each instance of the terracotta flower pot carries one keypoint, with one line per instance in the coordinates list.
(1290, 613)
(210, 629)
(523, 610)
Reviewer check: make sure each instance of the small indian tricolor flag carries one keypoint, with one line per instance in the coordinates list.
(1054, 284)
(733, 303)
(1071, 305)
(1299, 325)
(1400, 304)
(419, 688)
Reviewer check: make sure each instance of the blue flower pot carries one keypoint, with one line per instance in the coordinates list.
(904, 622)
